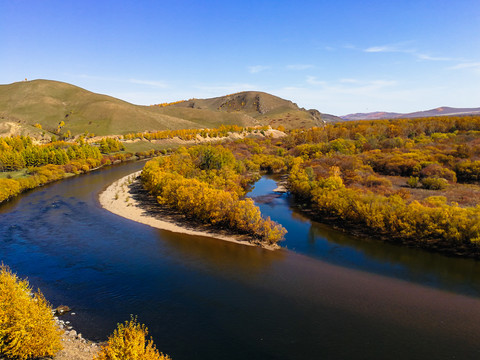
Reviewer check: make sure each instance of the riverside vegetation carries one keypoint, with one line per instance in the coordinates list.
(27, 326)
(28, 329)
(25, 165)
(349, 171)
(407, 180)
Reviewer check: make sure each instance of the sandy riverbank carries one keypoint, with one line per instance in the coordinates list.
(126, 198)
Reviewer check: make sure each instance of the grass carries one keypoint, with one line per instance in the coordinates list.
(20, 174)
(464, 194)
(144, 145)
(207, 118)
(50, 102)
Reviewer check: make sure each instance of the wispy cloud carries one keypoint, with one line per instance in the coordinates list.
(467, 65)
(433, 58)
(159, 84)
(401, 48)
(257, 68)
(351, 86)
(300, 67)
(377, 49)
(390, 48)
(349, 46)
(312, 80)
(475, 66)
(349, 81)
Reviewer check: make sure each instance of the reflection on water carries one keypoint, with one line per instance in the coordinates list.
(207, 299)
(221, 255)
(337, 247)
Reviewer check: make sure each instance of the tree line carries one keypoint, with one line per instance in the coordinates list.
(51, 162)
(191, 134)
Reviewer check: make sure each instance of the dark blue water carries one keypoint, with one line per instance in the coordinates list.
(367, 254)
(330, 297)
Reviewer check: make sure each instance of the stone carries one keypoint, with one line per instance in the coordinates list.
(62, 309)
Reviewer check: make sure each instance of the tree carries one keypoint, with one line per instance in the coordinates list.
(128, 342)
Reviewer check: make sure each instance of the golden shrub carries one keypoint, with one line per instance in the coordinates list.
(128, 342)
(9, 188)
(27, 326)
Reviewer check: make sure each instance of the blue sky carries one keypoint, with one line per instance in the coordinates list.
(339, 56)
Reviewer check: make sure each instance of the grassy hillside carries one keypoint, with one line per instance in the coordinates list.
(267, 109)
(52, 103)
(206, 117)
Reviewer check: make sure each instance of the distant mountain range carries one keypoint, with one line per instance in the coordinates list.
(47, 103)
(441, 111)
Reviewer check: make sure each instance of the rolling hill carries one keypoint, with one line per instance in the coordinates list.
(267, 109)
(48, 103)
(441, 111)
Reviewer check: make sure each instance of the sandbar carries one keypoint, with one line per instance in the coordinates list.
(126, 198)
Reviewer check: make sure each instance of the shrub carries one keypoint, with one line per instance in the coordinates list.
(436, 170)
(128, 342)
(9, 188)
(468, 170)
(412, 182)
(434, 183)
(27, 326)
(376, 181)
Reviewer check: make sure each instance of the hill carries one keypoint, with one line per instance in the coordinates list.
(441, 111)
(53, 103)
(267, 109)
(48, 103)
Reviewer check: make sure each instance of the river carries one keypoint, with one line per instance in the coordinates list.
(326, 295)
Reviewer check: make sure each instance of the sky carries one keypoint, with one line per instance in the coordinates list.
(340, 57)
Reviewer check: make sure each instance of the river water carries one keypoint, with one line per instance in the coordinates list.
(326, 295)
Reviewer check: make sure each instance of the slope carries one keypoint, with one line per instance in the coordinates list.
(267, 109)
(49, 103)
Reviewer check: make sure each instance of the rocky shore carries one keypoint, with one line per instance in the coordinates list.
(75, 347)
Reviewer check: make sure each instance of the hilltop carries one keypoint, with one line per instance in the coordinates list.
(267, 109)
(440, 111)
(48, 104)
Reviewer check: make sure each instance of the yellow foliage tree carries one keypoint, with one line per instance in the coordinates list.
(27, 326)
(128, 342)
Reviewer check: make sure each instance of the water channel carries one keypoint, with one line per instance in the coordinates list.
(326, 295)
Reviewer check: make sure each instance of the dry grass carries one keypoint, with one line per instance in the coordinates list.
(464, 194)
